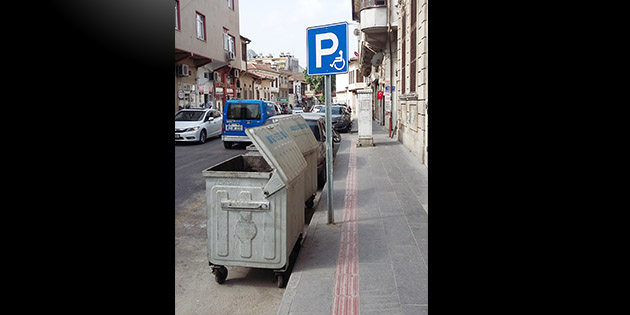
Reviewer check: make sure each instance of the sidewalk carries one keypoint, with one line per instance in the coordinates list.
(374, 258)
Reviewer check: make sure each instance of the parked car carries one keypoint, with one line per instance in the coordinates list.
(317, 123)
(285, 109)
(298, 109)
(239, 115)
(277, 107)
(340, 117)
(316, 108)
(197, 125)
(346, 106)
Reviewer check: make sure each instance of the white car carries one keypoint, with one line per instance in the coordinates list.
(197, 125)
(317, 108)
(298, 109)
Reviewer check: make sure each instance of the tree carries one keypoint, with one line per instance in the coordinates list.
(317, 83)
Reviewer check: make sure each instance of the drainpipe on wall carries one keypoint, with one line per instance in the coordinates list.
(196, 92)
(391, 67)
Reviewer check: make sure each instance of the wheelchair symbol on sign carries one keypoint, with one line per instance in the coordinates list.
(338, 59)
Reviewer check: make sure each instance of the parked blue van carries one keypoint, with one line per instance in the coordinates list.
(239, 115)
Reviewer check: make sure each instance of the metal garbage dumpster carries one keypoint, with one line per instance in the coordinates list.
(303, 136)
(255, 205)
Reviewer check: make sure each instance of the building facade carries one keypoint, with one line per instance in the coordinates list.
(255, 86)
(413, 79)
(378, 26)
(393, 59)
(209, 52)
(283, 62)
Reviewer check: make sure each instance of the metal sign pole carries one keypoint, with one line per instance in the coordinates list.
(329, 149)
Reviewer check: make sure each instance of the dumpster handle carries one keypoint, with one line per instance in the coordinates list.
(242, 204)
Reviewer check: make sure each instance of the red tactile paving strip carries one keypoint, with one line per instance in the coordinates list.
(346, 294)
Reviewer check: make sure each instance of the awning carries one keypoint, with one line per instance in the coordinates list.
(365, 61)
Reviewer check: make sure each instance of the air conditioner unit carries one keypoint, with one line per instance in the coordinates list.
(216, 76)
(182, 70)
(236, 73)
(229, 55)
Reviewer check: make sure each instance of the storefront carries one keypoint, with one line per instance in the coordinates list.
(225, 88)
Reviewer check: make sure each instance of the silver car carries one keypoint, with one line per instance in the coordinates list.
(197, 125)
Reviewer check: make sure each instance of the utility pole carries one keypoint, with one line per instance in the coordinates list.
(329, 148)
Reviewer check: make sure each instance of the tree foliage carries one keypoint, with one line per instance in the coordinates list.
(317, 83)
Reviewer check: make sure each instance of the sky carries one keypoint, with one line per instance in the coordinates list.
(280, 25)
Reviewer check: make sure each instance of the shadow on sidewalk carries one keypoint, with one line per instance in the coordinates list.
(387, 143)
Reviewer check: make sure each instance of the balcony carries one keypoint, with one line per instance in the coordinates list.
(373, 17)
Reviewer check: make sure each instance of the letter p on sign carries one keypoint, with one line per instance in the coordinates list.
(327, 49)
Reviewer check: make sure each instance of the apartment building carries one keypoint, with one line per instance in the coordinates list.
(210, 53)
(285, 61)
(413, 79)
(378, 27)
(255, 86)
(266, 70)
(394, 61)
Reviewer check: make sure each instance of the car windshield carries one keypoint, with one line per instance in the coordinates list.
(314, 128)
(335, 110)
(244, 111)
(189, 115)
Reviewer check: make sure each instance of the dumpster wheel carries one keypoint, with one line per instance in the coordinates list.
(280, 278)
(310, 202)
(220, 274)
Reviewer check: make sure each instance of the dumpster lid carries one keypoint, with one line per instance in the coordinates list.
(279, 150)
(296, 126)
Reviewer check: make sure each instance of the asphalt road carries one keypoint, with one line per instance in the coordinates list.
(191, 159)
(247, 290)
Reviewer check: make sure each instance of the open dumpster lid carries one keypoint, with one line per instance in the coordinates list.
(279, 150)
(296, 126)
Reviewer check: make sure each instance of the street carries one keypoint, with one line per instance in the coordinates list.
(191, 159)
(247, 290)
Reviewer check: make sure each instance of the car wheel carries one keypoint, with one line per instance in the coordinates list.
(202, 136)
(227, 144)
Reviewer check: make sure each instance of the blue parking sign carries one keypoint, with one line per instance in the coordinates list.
(327, 49)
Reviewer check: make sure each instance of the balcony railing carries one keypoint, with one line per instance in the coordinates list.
(373, 16)
(373, 3)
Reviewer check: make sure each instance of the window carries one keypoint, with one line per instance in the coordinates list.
(232, 44)
(177, 23)
(189, 116)
(403, 58)
(412, 50)
(228, 42)
(247, 111)
(230, 4)
(201, 26)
